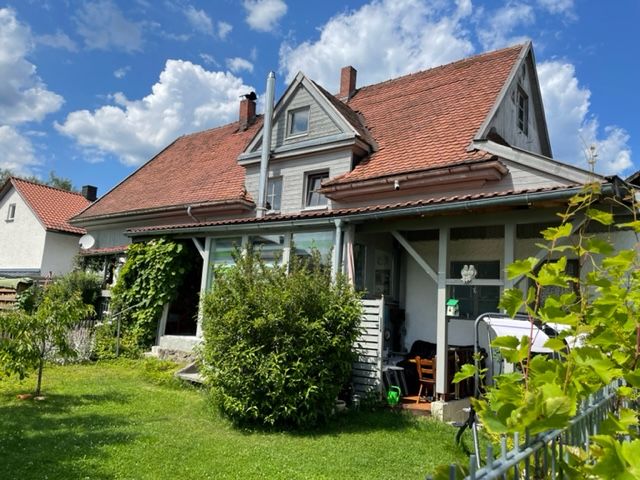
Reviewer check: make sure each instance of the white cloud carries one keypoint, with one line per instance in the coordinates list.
(263, 15)
(199, 20)
(573, 129)
(16, 152)
(497, 26)
(186, 98)
(401, 36)
(57, 40)
(209, 59)
(103, 26)
(238, 64)
(224, 29)
(121, 72)
(23, 95)
(563, 7)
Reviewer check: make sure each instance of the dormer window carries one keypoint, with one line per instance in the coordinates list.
(522, 104)
(298, 121)
(11, 212)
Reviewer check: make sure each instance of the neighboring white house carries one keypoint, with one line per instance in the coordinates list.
(35, 237)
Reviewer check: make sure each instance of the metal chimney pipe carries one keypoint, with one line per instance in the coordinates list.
(266, 145)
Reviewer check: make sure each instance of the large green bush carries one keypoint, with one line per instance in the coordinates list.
(278, 345)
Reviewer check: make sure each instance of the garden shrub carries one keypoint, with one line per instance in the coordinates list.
(278, 345)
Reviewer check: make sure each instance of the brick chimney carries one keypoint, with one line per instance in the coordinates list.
(347, 82)
(247, 110)
(90, 192)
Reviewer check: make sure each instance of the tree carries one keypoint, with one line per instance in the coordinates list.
(28, 339)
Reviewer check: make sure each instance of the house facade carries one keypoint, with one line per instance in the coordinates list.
(402, 185)
(36, 238)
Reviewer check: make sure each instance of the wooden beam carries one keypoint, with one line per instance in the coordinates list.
(509, 251)
(415, 255)
(199, 246)
(205, 280)
(442, 327)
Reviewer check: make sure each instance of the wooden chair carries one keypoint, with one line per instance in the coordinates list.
(426, 375)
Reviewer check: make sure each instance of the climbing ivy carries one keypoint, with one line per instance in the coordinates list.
(599, 342)
(150, 278)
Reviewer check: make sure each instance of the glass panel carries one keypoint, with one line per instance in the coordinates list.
(486, 269)
(359, 256)
(269, 246)
(223, 249)
(299, 121)
(303, 243)
(475, 300)
(274, 193)
(314, 182)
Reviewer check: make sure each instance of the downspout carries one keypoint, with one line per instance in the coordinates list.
(266, 145)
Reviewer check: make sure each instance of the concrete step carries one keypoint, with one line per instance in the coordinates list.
(191, 373)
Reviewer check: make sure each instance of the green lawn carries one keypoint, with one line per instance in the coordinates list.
(108, 421)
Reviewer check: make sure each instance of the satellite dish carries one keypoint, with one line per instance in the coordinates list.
(86, 242)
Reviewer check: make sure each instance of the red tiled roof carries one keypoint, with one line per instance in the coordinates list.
(458, 201)
(428, 119)
(54, 207)
(197, 168)
(105, 250)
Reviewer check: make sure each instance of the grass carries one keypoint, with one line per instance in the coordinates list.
(114, 421)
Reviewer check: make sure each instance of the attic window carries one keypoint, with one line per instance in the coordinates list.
(298, 121)
(11, 212)
(522, 105)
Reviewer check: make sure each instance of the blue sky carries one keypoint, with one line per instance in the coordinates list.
(91, 89)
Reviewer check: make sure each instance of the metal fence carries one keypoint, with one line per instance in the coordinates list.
(543, 456)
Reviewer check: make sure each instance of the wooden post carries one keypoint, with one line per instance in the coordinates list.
(509, 251)
(337, 250)
(205, 281)
(442, 323)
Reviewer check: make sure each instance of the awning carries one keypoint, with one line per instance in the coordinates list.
(502, 327)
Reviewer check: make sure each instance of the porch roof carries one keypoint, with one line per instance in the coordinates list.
(435, 205)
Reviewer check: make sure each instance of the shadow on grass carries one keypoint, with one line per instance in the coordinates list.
(55, 439)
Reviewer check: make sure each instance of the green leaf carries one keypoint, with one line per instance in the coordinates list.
(598, 246)
(512, 301)
(555, 344)
(605, 218)
(466, 371)
(635, 225)
(507, 341)
(555, 233)
(521, 267)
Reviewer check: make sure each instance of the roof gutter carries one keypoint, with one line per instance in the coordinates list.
(469, 205)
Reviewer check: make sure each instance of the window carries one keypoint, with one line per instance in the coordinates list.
(274, 193)
(476, 299)
(523, 111)
(270, 247)
(299, 121)
(313, 197)
(305, 242)
(11, 212)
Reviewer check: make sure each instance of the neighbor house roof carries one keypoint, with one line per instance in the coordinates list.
(195, 169)
(53, 206)
(428, 119)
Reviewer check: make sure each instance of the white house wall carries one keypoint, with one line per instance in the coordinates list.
(294, 173)
(21, 240)
(60, 251)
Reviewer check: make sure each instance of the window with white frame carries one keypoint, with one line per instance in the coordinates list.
(274, 194)
(522, 105)
(11, 212)
(313, 198)
(476, 299)
(298, 121)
